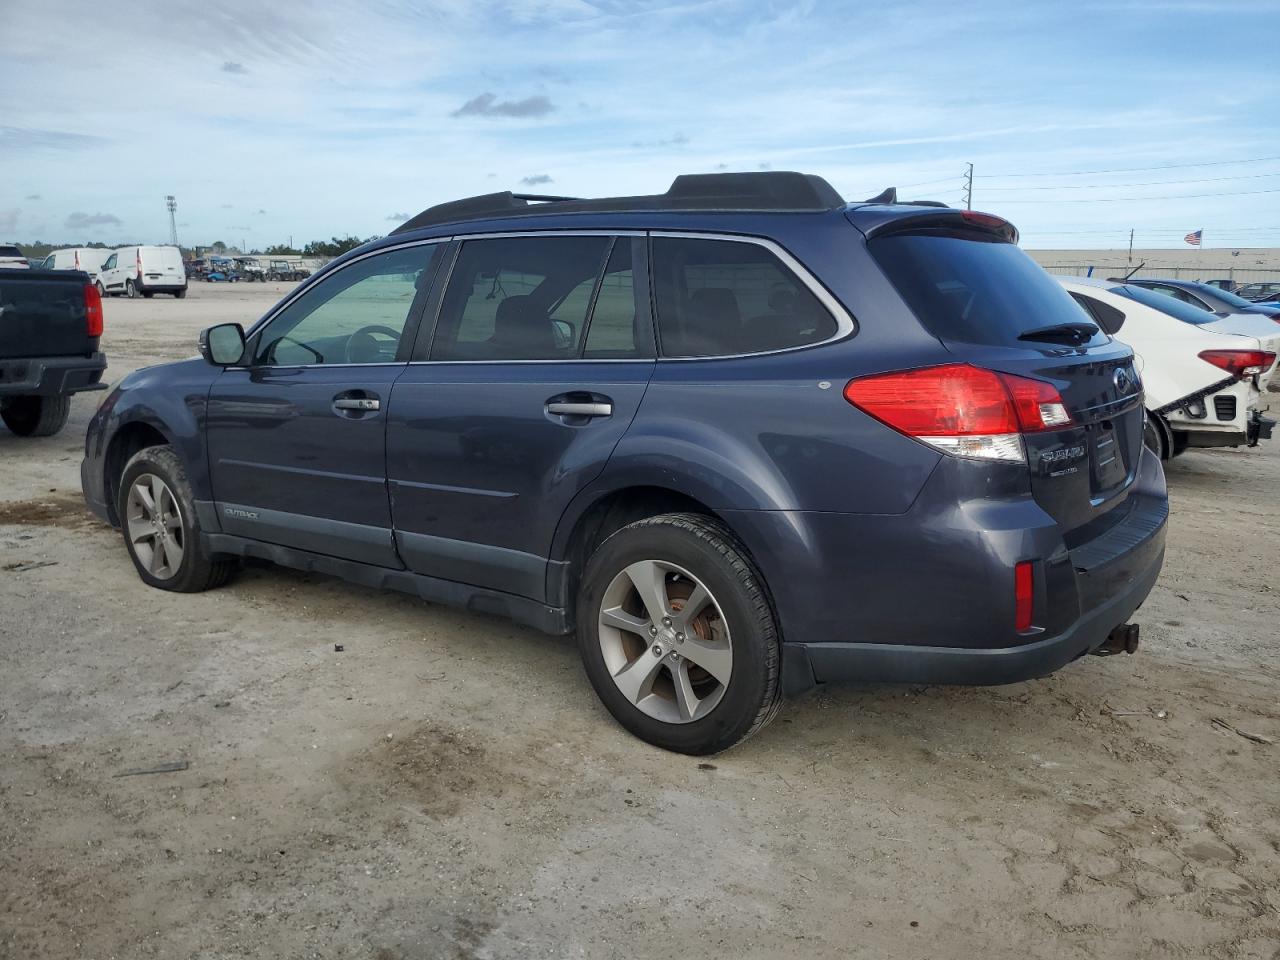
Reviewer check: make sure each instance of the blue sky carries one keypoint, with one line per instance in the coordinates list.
(331, 118)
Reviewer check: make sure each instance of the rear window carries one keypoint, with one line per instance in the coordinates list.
(1165, 304)
(971, 290)
(9, 251)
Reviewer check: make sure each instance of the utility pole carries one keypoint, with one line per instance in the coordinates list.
(1131, 245)
(968, 188)
(172, 205)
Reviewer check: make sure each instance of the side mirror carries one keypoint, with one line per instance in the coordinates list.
(222, 345)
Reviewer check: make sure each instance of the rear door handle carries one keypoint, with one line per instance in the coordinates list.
(564, 408)
(357, 403)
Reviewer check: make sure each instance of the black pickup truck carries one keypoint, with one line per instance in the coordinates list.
(50, 322)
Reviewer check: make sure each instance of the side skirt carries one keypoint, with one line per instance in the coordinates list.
(553, 620)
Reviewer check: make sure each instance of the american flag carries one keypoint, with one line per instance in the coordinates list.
(1194, 238)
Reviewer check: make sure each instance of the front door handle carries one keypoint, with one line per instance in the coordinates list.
(357, 403)
(564, 408)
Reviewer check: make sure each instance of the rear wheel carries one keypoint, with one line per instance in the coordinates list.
(35, 416)
(161, 531)
(678, 636)
(180, 294)
(130, 289)
(148, 294)
(102, 291)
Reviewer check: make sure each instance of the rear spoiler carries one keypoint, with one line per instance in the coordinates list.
(879, 221)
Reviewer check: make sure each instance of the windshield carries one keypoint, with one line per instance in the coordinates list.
(1165, 304)
(973, 290)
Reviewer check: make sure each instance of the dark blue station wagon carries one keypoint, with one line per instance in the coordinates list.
(742, 437)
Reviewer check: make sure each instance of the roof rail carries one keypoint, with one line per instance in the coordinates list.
(771, 191)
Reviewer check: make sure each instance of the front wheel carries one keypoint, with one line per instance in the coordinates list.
(161, 531)
(102, 291)
(678, 636)
(35, 416)
(130, 289)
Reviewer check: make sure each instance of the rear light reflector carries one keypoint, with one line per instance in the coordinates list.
(1240, 363)
(962, 410)
(92, 310)
(1023, 596)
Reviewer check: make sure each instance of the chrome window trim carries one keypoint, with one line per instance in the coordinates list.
(845, 324)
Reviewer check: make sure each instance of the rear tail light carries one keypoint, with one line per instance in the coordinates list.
(137, 261)
(92, 310)
(1023, 596)
(1240, 363)
(961, 410)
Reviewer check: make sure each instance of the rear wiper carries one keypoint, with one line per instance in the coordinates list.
(1079, 332)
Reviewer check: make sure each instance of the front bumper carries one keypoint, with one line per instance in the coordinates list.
(51, 376)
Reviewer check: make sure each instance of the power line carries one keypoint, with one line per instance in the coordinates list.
(1184, 196)
(1146, 183)
(1167, 166)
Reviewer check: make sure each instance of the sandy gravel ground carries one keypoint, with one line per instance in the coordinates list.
(448, 787)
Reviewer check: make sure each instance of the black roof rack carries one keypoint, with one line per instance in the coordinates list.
(772, 191)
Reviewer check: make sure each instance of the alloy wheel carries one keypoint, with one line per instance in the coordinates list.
(665, 641)
(154, 523)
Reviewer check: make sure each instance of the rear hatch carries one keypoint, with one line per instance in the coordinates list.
(993, 307)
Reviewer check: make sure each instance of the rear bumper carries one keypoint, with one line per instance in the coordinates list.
(51, 376)
(1127, 579)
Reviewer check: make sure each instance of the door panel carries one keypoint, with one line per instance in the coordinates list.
(297, 441)
(537, 363)
(480, 471)
(290, 469)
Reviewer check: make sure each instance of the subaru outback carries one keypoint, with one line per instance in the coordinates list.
(742, 437)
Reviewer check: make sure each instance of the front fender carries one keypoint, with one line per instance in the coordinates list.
(171, 399)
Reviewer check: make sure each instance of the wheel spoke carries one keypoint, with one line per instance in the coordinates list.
(692, 607)
(157, 557)
(619, 619)
(716, 659)
(635, 680)
(158, 490)
(145, 498)
(650, 581)
(687, 701)
(173, 522)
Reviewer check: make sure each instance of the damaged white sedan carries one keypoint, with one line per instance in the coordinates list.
(1203, 374)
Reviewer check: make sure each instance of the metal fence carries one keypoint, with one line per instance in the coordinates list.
(1241, 275)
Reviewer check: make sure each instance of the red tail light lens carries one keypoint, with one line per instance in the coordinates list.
(962, 410)
(92, 310)
(1023, 595)
(1240, 363)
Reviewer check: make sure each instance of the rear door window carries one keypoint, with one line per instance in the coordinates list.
(719, 298)
(974, 290)
(519, 298)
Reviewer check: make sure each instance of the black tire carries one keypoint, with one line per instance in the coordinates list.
(148, 294)
(35, 416)
(197, 571)
(1157, 436)
(713, 556)
(130, 289)
(180, 294)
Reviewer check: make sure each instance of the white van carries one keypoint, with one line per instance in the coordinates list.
(145, 271)
(88, 259)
